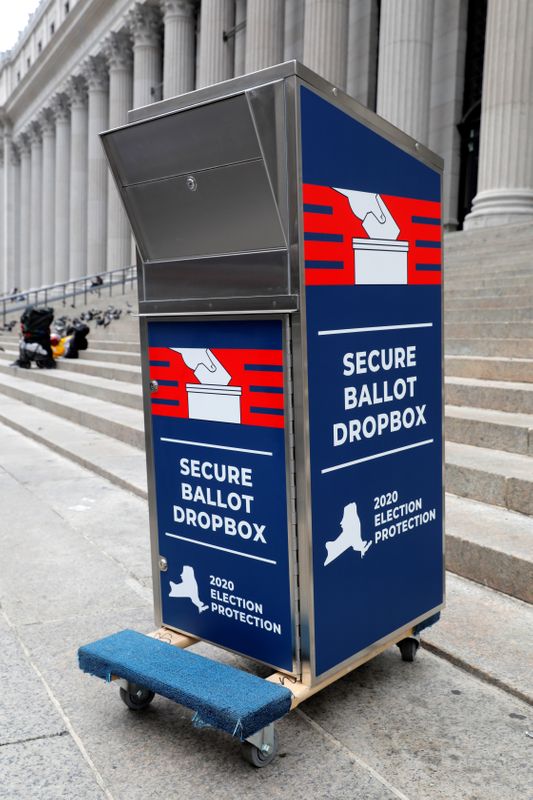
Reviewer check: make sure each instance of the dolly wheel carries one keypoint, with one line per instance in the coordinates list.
(408, 648)
(259, 757)
(136, 697)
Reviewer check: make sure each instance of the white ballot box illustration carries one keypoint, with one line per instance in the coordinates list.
(380, 261)
(213, 402)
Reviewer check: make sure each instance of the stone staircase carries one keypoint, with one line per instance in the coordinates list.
(489, 407)
(90, 410)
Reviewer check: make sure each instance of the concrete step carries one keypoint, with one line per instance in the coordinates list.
(121, 330)
(115, 356)
(497, 283)
(490, 545)
(484, 268)
(117, 461)
(489, 346)
(497, 430)
(491, 476)
(116, 421)
(500, 395)
(508, 314)
(454, 289)
(513, 235)
(121, 352)
(496, 330)
(493, 301)
(116, 392)
(505, 260)
(487, 634)
(126, 373)
(122, 345)
(490, 368)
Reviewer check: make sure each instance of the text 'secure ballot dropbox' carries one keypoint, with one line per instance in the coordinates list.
(289, 270)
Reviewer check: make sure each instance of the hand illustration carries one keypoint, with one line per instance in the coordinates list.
(371, 209)
(204, 364)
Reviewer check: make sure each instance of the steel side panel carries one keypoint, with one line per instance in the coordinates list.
(378, 581)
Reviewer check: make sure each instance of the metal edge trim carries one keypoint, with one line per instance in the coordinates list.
(150, 475)
(290, 491)
(214, 92)
(302, 444)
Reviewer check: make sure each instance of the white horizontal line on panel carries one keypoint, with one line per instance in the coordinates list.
(218, 547)
(377, 328)
(376, 455)
(217, 446)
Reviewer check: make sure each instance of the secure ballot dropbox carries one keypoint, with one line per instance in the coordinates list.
(289, 270)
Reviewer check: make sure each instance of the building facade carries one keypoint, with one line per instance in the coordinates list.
(454, 74)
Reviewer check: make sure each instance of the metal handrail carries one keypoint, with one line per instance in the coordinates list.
(72, 289)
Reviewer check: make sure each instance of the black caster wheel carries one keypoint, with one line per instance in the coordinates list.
(256, 757)
(408, 648)
(136, 697)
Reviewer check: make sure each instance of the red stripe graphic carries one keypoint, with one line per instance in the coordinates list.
(320, 257)
(249, 369)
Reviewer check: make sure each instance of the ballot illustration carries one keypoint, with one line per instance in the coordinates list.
(243, 386)
(357, 237)
(210, 399)
(188, 588)
(380, 258)
(349, 538)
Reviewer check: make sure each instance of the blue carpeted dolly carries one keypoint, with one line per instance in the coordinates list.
(223, 697)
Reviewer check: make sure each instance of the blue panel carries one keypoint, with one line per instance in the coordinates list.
(375, 413)
(221, 491)
(357, 158)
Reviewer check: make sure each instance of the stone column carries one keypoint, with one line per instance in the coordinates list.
(35, 204)
(404, 72)
(77, 90)
(119, 55)
(98, 111)
(178, 66)
(363, 35)
(293, 46)
(216, 52)
(449, 49)
(24, 146)
(48, 195)
(264, 33)
(61, 109)
(9, 204)
(3, 269)
(11, 243)
(326, 38)
(145, 23)
(505, 178)
(239, 47)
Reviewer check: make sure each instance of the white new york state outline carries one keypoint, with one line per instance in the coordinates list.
(350, 536)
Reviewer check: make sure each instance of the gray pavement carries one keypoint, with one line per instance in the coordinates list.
(75, 566)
